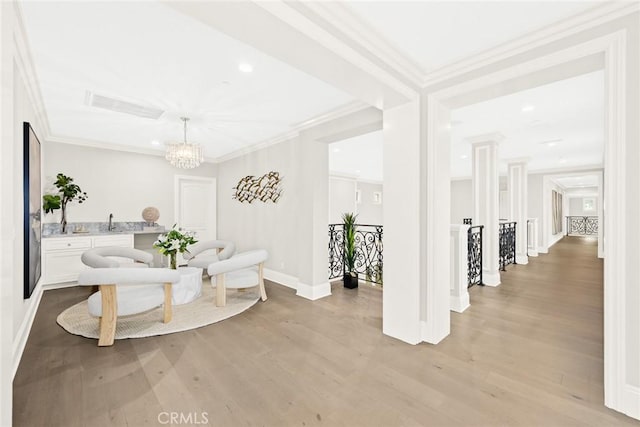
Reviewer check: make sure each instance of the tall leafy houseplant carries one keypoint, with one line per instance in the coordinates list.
(349, 228)
(67, 193)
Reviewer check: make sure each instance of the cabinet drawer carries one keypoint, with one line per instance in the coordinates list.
(64, 243)
(124, 241)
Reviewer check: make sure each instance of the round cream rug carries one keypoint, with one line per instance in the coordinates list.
(201, 312)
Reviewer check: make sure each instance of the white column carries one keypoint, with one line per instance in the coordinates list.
(517, 186)
(486, 201)
(533, 236)
(459, 294)
(416, 272)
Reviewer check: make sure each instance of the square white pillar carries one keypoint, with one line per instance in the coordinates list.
(517, 185)
(486, 201)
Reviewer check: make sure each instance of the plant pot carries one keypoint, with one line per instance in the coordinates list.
(350, 280)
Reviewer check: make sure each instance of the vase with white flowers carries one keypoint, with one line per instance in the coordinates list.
(169, 244)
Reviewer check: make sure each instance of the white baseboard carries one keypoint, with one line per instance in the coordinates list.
(431, 336)
(630, 401)
(543, 250)
(281, 278)
(52, 286)
(490, 279)
(533, 252)
(555, 239)
(459, 304)
(20, 341)
(302, 289)
(522, 259)
(314, 292)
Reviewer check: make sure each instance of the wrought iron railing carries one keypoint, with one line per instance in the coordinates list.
(584, 225)
(467, 221)
(507, 244)
(474, 255)
(368, 263)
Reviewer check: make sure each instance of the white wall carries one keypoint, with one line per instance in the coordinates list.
(461, 200)
(342, 198)
(369, 212)
(116, 182)
(534, 200)
(18, 100)
(272, 226)
(294, 231)
(576, 206)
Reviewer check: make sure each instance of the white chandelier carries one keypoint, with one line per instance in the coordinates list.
(184, 155)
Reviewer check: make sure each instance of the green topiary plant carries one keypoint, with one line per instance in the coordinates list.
(349, 228)
(67, 192)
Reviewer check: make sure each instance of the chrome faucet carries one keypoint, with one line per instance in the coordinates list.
(111, 227)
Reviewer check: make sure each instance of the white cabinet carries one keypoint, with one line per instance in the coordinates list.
(61, 255)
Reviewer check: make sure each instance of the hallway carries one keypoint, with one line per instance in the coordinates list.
(528, 353)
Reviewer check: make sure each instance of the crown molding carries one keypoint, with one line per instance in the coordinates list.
(563, 28)
(314, 25)
(336, 113)
(297, 128)
(598, 168)
(25, 65)
(88, 143)
(259, 146)
(340, 20)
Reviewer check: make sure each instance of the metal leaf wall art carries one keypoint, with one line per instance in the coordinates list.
(263, 188)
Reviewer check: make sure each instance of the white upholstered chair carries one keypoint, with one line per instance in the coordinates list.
(200, 254)
(243, 270)
(125, 257)
(124, 287)
(126, 291)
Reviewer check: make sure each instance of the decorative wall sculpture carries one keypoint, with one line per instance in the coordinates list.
(263, 188)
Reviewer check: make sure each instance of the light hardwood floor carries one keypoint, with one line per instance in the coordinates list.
(527, 353)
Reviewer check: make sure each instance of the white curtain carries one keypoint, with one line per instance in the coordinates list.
(556, 212)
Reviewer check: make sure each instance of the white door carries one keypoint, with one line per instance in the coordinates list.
(195, 206)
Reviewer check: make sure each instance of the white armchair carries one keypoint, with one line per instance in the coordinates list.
(124, 257)
(200, 256)
(244, 270)
(126, 291)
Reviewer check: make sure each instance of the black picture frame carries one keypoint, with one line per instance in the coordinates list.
(32, 197)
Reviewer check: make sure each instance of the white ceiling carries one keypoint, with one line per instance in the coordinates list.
(151, 54)
(146, 52)
(359, 157)
(564, 130)
(438, 33)
(579, 181)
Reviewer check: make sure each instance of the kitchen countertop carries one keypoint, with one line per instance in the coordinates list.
(104, 233)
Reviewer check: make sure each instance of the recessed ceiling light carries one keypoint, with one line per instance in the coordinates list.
(464, 156)
(155, 142)
(225, 82)
(562, 160)
(245, 67)
(357, 170)
(528, 108)
(336, 150)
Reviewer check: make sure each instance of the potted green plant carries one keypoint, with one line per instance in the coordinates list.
(350, 277)
(171, 243)
(67, 192)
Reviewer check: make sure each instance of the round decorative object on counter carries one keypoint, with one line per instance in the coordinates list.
(150, 214)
